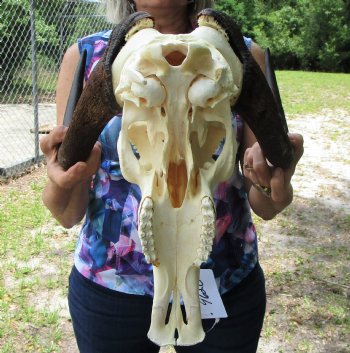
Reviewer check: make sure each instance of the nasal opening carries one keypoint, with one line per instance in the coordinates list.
(177, 182)
(175, 54)
(175, 58)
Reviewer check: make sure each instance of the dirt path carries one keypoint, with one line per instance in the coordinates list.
(305, 251)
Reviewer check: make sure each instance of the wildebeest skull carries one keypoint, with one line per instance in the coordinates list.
(177, 93)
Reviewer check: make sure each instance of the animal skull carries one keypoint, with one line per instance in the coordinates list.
(89, 110)
(176, 92)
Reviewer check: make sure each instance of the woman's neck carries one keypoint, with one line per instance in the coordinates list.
(172, 20)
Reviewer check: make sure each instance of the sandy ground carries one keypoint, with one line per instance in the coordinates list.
(303, 243)
(304, 251)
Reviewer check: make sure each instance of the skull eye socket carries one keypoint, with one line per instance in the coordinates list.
(205, 92)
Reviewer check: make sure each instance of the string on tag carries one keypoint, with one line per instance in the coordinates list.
(214, 324)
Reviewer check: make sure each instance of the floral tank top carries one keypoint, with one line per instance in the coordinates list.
(109, 251)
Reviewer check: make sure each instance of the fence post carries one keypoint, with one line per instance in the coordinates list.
(35, 80)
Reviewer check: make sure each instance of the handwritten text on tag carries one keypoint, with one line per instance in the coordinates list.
(211, 303)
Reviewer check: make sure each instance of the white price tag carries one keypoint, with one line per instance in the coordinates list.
(212, 306)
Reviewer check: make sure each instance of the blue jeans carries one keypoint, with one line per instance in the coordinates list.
(106, 321)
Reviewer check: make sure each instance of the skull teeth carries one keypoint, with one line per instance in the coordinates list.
(208, 231)
(146, 231)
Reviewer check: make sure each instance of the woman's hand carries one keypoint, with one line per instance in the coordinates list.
(273, 184)
(67, 192)
(78, 173)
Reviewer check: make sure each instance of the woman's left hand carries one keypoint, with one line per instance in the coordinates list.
(274, 182)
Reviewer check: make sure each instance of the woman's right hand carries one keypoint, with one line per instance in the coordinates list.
(66, 194)
(79, 172)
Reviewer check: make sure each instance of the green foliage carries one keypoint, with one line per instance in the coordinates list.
(58, 24)
(83, 19)
(15, 35)
(327, 35)
(280, 30)
(241, 11)
(15, 31)
(302, 34)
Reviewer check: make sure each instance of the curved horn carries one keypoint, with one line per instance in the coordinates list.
(97, 104)
(256, 103)
(77, 88)
(272, 81)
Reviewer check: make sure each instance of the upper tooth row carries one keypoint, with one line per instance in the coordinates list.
(208, 231)
(146, 230)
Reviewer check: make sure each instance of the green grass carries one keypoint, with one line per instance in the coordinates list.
(305, 249)
(28, 323)
(311, 92)
(21, 87)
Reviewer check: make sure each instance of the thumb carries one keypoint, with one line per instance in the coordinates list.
(95, 157)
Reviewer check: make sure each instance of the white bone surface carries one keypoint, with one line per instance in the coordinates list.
(176, 92)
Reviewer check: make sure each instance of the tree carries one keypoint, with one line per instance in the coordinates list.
(15, 32)
(58, 23)
(302, 34)
(241, 11)
(279, 27)
(15, 35)
(326, 36)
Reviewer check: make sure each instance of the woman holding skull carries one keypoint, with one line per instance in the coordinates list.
(111, 285)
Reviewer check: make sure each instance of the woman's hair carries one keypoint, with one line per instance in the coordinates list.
(117, 10)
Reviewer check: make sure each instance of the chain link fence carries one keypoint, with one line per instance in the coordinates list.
(34, 34)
